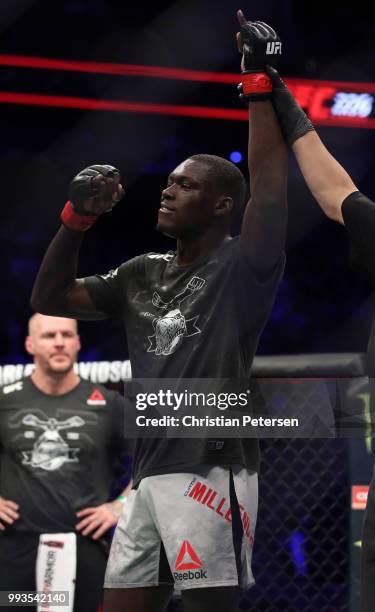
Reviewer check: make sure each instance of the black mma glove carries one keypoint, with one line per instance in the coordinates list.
(261, 46)
(84, 187)
(293, 121)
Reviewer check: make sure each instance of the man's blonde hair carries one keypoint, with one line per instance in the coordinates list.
(33, 321)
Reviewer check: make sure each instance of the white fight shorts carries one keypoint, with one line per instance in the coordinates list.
(187, 530)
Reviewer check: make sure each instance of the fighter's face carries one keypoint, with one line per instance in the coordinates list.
(54, 344)
(188, 201)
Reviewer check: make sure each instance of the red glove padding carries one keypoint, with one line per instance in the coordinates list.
(256, 85)
(74, 221)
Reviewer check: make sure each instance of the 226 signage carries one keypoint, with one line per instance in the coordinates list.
(336, 103)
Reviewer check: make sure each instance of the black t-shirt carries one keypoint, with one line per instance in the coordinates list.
(57, 452)
(197, 321)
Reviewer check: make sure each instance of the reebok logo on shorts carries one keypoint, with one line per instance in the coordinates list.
(188, 559)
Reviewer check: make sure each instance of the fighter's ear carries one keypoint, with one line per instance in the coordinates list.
(29, 345)
(224, 206)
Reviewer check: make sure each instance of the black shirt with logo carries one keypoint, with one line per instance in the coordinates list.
(57, 452)
(195, 321)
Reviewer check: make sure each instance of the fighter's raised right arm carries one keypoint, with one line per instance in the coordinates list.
(56, 290)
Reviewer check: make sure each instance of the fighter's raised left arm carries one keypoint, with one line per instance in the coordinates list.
(265, 219)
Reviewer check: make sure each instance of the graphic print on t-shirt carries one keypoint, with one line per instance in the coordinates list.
(171, 327)
(50, 450)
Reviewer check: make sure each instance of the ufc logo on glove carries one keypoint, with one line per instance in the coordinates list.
(273, 48)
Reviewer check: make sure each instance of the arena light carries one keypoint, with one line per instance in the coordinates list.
(206, 112)
(22, 61)
(297, 545)
(335, 103)
(236, 157)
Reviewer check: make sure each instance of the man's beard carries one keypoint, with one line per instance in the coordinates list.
(58, 369)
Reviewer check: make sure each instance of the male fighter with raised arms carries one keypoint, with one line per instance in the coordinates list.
(226, 286)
